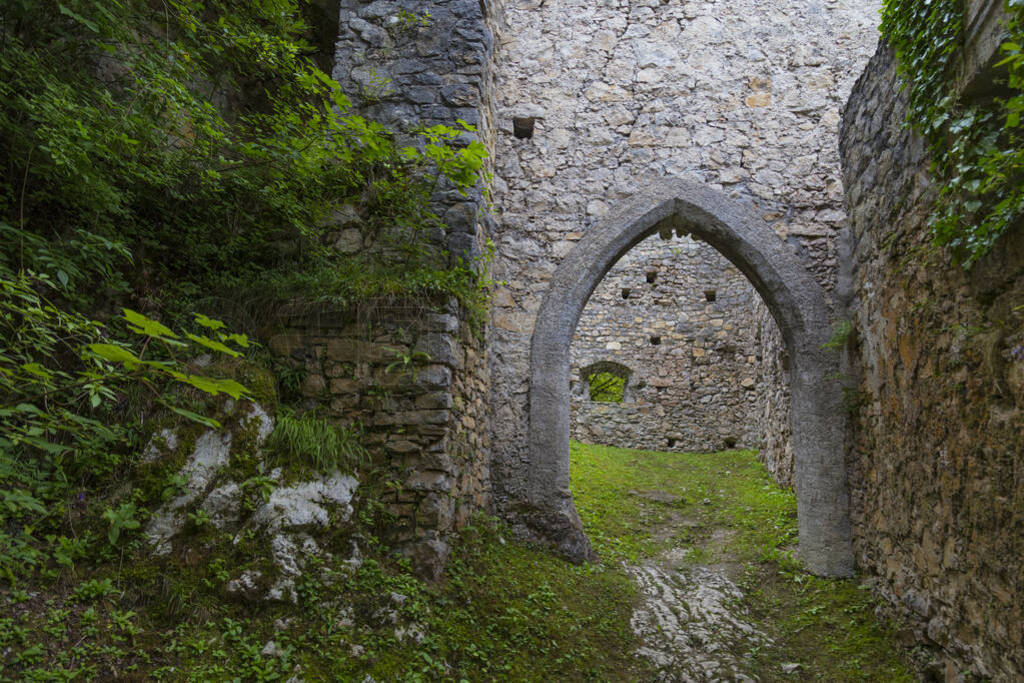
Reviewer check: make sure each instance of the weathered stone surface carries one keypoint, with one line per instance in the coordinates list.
(798, 305)
(937, 469)
(303, 504)
(209, 455)
(692, 390)
(648, 91)
(425, 421)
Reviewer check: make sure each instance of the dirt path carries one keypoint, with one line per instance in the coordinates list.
(708, 541)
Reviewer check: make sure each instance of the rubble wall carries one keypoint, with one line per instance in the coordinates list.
(937, 474)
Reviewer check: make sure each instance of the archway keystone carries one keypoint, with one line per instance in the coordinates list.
(795, 300)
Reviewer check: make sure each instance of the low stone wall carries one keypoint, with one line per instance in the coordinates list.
(938, 465)
(416, 381)
(682, 319)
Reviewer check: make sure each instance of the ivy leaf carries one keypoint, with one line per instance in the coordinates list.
(37, 370)
(114, 353)
(240, 339)
(78, 17)
(215, 387)
(209, 322)
(196, 417)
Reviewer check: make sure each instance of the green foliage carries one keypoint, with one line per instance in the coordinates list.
(317, 443)
(410, 21)
(70, 388)
(121, 519)
(841, 331)
(94, 589)
(406, 363)
(179, 149)
(606, 387)
(976, 147)
(504, 611)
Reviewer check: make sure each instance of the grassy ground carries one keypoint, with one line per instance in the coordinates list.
(725, 510)
(506, 611)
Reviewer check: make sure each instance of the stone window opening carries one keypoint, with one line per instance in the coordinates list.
(607, 381)
(625, 292)
(655, 340)
(710, 295)
(522, 126)
(671, 443)
(652, 275)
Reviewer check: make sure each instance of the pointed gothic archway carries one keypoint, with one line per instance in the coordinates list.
(796, 302)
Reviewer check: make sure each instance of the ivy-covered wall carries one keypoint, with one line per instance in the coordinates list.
(937, 470)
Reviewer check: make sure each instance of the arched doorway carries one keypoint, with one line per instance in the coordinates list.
(796, 302)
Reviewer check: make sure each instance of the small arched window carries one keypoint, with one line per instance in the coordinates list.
(606, 380)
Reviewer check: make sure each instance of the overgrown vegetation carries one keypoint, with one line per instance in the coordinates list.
(315, 442)
(976, 146)
(504, 611)
(171, 157)
(170, 152)
(73, 400)
(606, 387)
(724, 509)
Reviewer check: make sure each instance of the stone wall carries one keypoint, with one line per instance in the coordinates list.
(938, 473)
(408, 64)
(684, 321)
(773, 400)
(416, 381)
(741, 95)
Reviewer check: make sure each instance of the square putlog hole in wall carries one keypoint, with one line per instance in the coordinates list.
(625, 292)
(655, 341)
(652, 275)
(710, 294)
(522, 126)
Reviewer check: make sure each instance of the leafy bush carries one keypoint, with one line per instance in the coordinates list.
(198, 139)
(606, 387)
(66, 416)
(159, 155)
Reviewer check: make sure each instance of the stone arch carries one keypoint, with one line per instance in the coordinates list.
(795, 300)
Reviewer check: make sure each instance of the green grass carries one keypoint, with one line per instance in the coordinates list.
(316, 442)
(505, 610)
(727, 511)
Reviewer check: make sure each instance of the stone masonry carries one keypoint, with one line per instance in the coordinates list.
(410, 64)
(685, 322)
(937, 480)
(586, 104)
(414, 379)
(738, 95)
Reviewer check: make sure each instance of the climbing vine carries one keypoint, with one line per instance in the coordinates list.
(977, 155)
